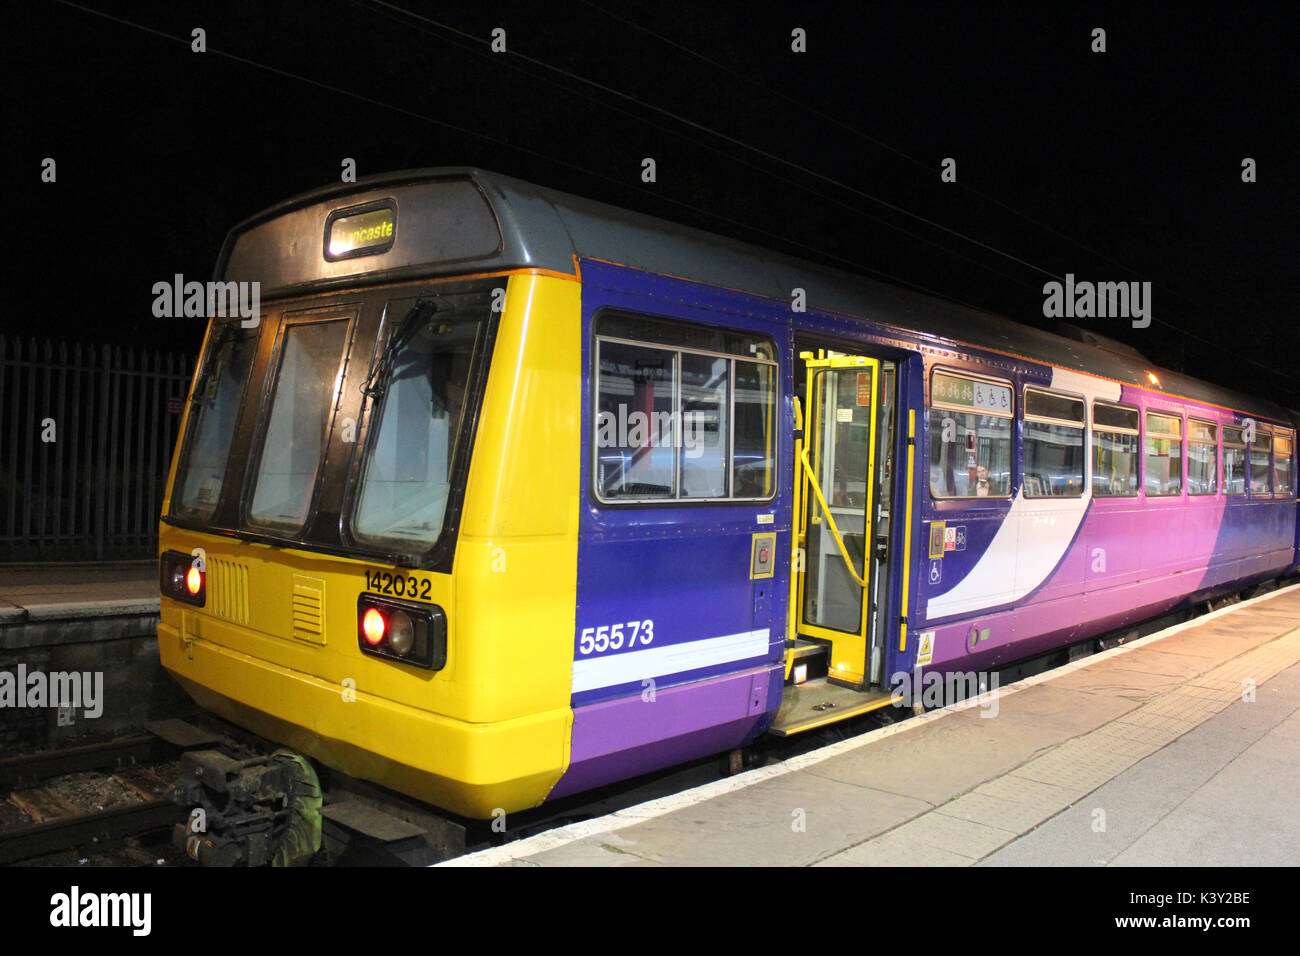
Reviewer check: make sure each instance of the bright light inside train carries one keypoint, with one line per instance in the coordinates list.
(373, 625)
(194, 580)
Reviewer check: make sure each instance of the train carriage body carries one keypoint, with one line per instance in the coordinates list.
(508, 494)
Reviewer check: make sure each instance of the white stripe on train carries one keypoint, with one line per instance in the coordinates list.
(592, 673)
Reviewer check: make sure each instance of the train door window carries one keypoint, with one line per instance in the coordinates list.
(687, 415)
(970, 437)
(1053, 445)
(407, 482)
(1261, 485)
(1115, 440)
(1234, 461)
(302, 399)
(1164, 455)
(215, 405)
(1202, 454)
(1283, 476)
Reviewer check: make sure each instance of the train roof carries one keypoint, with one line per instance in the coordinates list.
(459, 219)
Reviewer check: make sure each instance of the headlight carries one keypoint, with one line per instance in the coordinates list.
(402, 631)
(181, 579)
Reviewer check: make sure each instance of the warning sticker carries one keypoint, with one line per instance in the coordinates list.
(925, 649)
(864, 388)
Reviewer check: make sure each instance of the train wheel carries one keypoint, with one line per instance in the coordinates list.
(733, 762)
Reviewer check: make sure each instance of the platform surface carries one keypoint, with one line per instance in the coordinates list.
(33, 593)
(1180, 749)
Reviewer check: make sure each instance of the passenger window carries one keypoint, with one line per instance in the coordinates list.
(1053, 445)
(1114, 451)
(1234, 461)
(1261, 485)
(1283, 476)
(1164, 455)
(970, 437)
(1202, 453)
(635, 434)
(674, 421)
(706, 380)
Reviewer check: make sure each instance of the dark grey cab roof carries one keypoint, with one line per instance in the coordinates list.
(447, 228)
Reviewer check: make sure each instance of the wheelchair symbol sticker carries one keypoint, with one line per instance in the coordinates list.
(936, 572)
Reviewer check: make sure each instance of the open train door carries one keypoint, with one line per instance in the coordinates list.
(843, 434)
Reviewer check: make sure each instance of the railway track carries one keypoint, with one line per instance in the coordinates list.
(93, 794)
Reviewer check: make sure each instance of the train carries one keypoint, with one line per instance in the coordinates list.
(507, 494)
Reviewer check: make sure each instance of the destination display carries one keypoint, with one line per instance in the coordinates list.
(970, 393)
(365, 232)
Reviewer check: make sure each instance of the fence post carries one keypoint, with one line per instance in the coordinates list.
(100, 508)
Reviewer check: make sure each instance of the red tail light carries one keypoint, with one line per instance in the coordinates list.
(181, 578)
(373, 625)
(404, 631)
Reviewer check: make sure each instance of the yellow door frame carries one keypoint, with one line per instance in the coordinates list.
(850, 652)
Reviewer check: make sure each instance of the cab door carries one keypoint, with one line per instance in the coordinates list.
(835, 514)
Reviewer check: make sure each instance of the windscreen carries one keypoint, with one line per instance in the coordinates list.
(418, 416)
(305, 391)
(215, 406)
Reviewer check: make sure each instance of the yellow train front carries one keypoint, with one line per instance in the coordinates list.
(370, 538)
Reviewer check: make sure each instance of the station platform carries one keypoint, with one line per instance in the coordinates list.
(33, 593)
(90, 618)
(1178, 749)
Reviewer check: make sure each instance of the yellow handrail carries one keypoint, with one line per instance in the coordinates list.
(830, 522)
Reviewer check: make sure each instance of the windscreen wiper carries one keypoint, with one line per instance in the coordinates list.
(230, 332)
(377, 381)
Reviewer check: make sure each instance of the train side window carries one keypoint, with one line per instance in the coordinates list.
(706, 380)
(1283, 476)
(970, 437)
(1164, 455)
(1261, 485)
(753, 410)
(1053, 445)
(1202, 449)
(1115, 440)
(675, 420)
(1234, 461)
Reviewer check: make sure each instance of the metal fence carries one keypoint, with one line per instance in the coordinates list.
(86, 435)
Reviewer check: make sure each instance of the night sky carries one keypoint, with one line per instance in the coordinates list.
(1115, 166)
